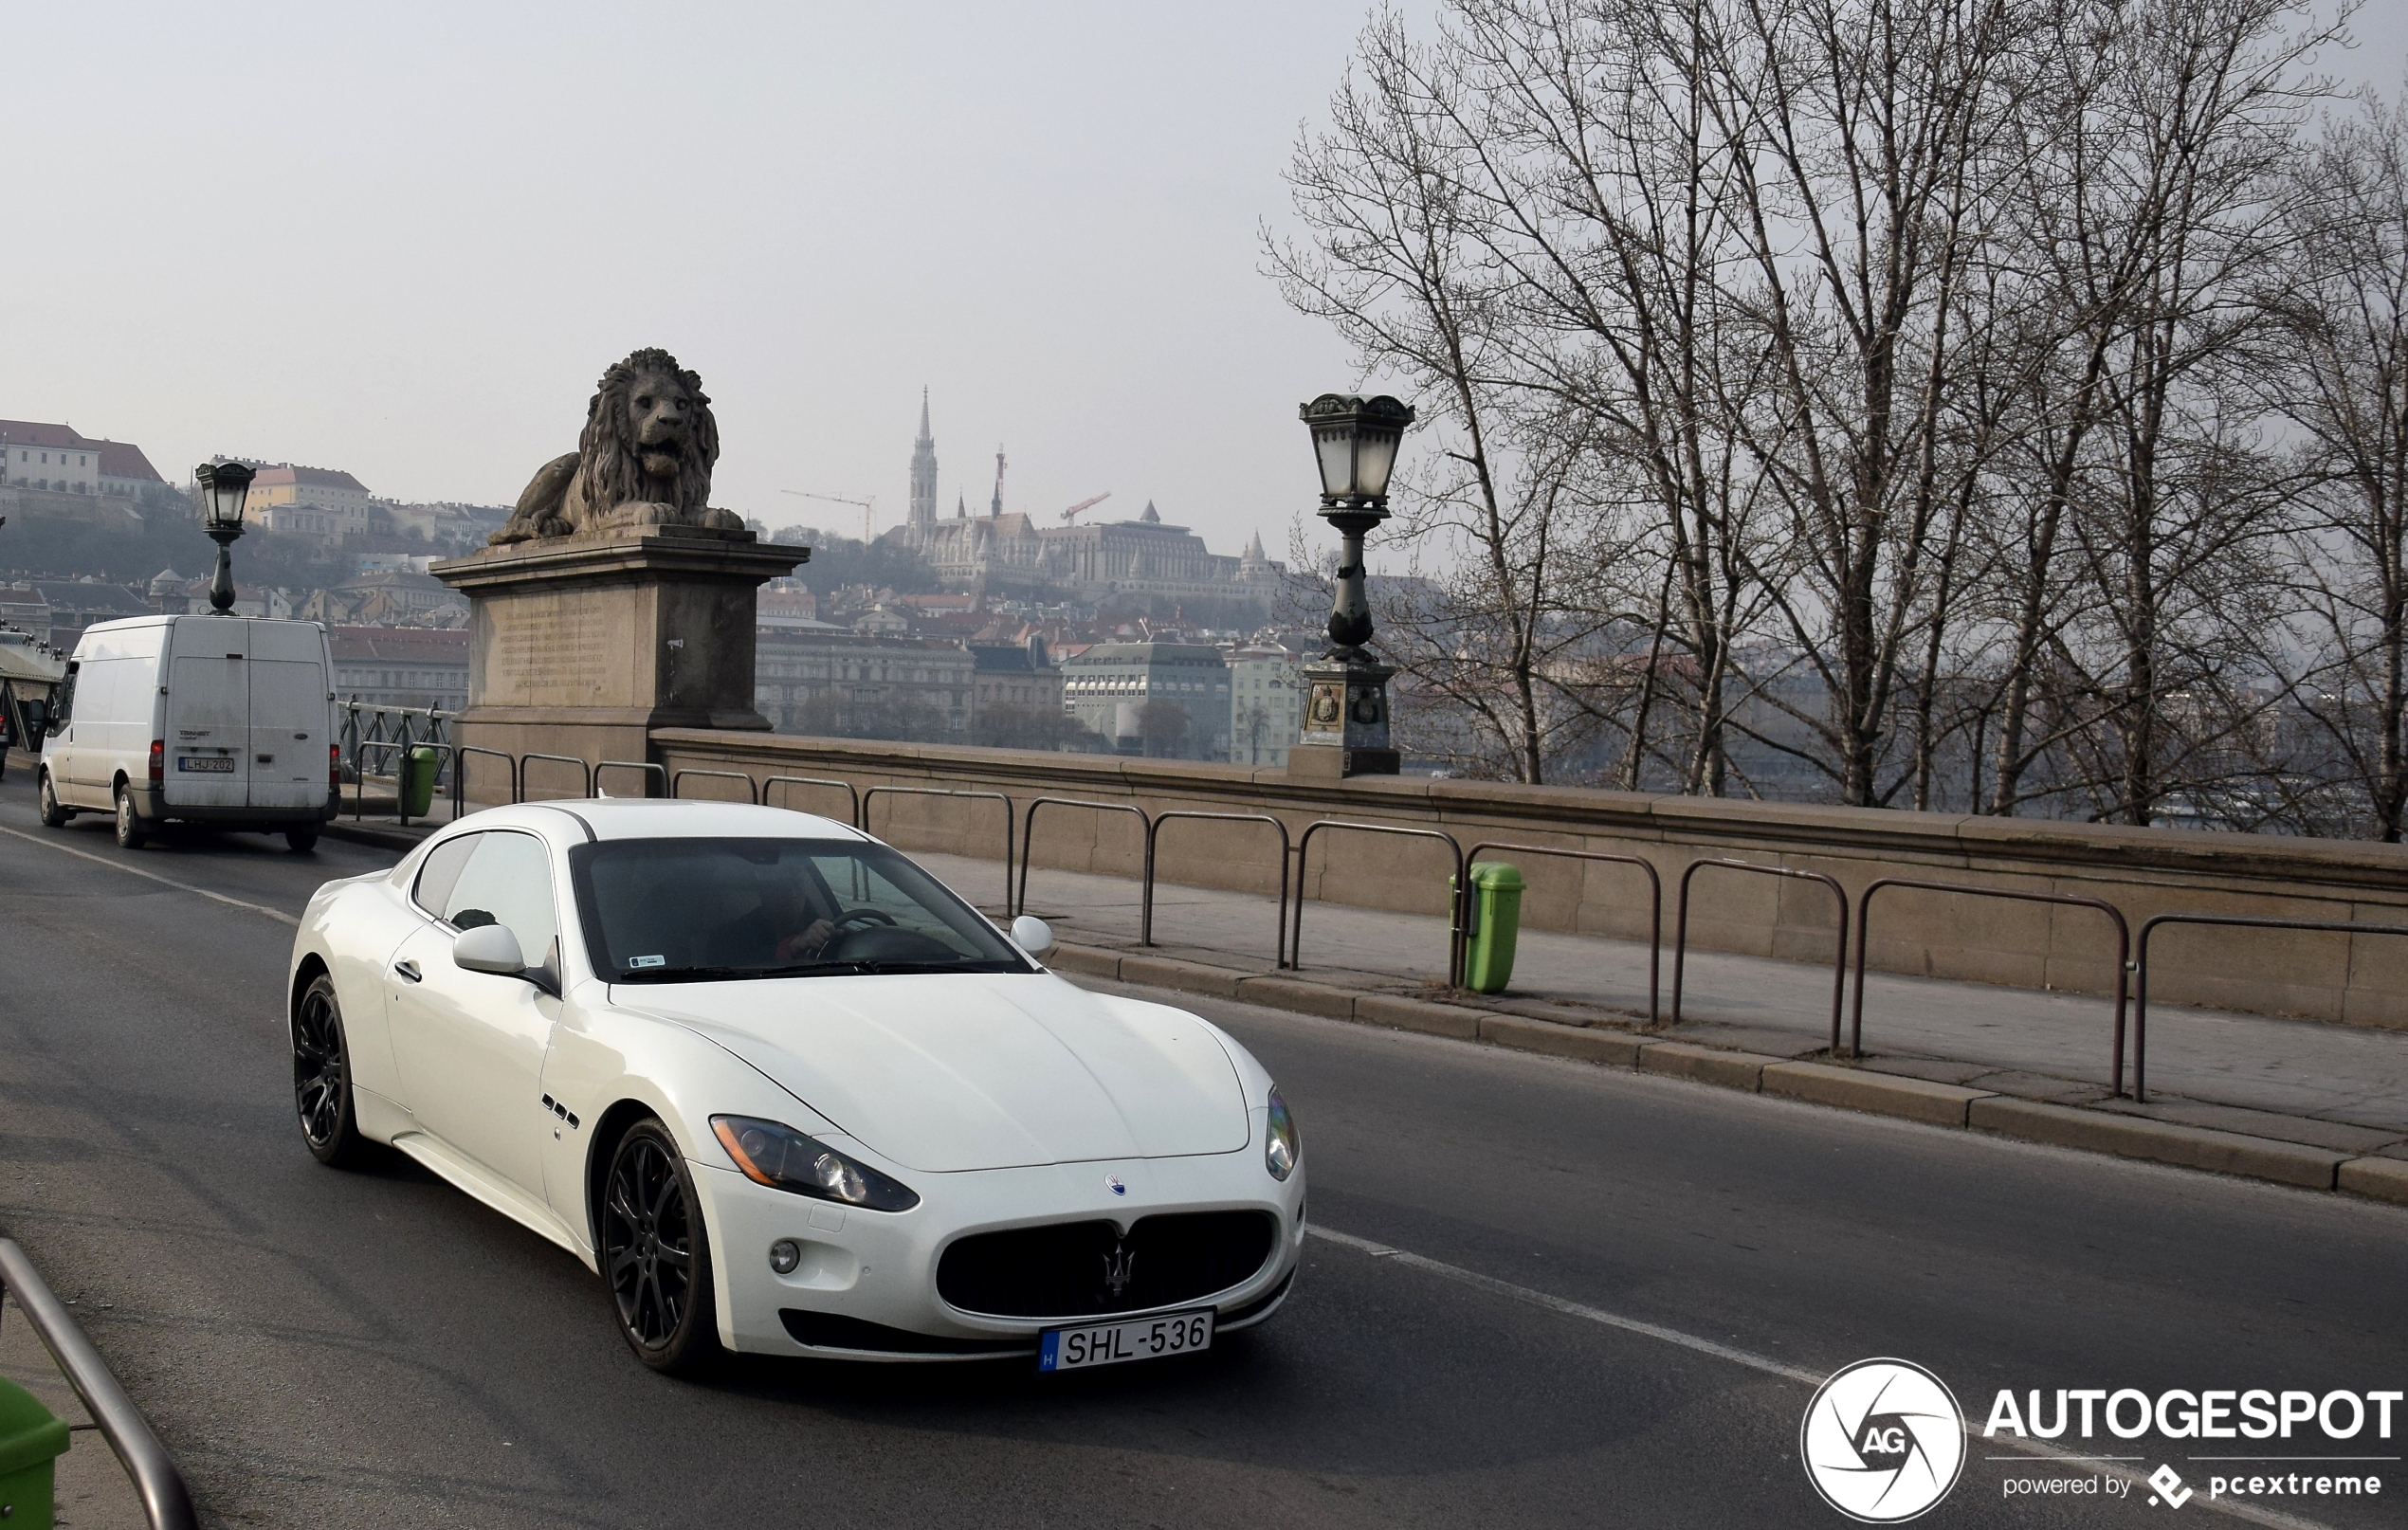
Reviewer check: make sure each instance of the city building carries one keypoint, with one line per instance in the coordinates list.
(1017, 678)
(63, 461)
(837, 684)
(401, 666)
(1166, 699)
(1267, 703)
(57, 611)
(1005, 550)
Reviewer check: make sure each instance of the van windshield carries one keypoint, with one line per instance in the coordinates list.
(718, 910)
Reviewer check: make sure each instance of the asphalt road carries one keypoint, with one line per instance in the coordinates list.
(327, 1348)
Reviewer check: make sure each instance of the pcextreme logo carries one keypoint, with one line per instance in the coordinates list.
(1883, 1441)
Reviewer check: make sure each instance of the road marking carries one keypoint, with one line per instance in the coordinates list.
(1765, 1363)
(277, 915)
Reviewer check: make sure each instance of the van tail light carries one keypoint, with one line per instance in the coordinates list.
(158, 762)
(335, 767)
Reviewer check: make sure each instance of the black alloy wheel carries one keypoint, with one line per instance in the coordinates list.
(53, 816)
(656, 1254)
(130, 832)
(321, 1076)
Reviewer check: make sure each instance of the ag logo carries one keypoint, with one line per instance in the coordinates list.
(1883, 1441)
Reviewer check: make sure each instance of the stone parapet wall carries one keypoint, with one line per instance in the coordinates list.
(2359, 979)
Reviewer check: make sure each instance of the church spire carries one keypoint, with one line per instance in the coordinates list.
(923, 478)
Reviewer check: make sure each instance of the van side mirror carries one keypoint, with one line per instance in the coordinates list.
(489, 948)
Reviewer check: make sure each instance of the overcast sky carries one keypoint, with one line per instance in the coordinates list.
(403, 241)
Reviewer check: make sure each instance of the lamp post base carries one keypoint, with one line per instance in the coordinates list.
(1345, 729)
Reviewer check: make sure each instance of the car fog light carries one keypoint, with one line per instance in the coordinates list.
(1282, 1146)
(784, 1255)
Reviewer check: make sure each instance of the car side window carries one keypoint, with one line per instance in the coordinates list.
(507, 881)
(440, 872)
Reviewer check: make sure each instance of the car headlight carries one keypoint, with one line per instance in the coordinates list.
(1282, 1147)
(781, 1157)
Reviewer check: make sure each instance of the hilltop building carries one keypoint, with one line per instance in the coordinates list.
(1006, 551)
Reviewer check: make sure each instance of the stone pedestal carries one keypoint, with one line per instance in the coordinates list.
(580, 646)
(1345, 729)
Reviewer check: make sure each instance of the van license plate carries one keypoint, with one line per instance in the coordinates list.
(206, 764)
(1115, 1343)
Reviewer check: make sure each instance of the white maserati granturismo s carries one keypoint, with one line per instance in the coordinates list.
(787, 1094)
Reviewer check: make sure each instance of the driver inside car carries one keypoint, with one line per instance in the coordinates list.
(781, 929)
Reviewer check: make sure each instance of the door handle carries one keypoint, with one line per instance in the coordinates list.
(407, 971)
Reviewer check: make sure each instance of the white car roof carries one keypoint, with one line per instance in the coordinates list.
(658, 818)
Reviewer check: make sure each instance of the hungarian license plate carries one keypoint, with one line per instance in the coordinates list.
(206, 764)
(1115, 1343)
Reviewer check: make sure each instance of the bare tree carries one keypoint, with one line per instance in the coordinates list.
(2344, 384)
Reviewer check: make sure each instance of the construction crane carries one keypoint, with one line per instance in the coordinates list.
(1073, 514)
(869, 506)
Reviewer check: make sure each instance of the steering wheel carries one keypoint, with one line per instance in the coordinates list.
(866, 916)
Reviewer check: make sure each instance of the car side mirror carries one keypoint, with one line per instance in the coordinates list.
(1032, 935)
(489, 948)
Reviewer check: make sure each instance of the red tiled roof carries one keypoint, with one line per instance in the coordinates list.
(325, 477)
(118, 459)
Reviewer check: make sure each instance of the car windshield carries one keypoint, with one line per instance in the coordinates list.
(718, 910)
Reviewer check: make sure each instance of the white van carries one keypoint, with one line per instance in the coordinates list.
(207, 719)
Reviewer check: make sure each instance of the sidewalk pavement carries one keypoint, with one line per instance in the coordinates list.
(2299, 1101)
(90, 1490)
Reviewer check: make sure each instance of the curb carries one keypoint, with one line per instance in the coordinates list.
(1822, 1084)
(383, 838)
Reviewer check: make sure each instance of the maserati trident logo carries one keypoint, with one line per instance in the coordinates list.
(1883, 1441)
(1118, 1265)
(1114, 1184)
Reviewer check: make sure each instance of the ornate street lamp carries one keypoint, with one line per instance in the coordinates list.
(224, 486)
(1346, 731)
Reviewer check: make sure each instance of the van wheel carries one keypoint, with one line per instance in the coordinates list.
(53, 816)
(130, 832)
(301, 841)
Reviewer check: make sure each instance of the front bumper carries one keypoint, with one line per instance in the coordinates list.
(880, 1268)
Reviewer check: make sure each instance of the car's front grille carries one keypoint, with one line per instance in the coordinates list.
(1071, 1269)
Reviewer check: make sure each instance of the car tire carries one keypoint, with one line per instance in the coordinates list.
(321, 1077)
(301, 841)
(130, 832)
(656, 1254)
(53, 816)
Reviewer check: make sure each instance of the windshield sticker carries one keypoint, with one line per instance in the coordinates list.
(647, 961)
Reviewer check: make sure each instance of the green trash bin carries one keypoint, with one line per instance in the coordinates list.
(30, 1440)
(418, 781)
(1496, 919)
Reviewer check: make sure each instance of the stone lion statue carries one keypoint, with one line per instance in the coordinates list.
(644, 459)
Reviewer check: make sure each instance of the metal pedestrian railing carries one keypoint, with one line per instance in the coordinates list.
(1455, 924)
(1654, 887)
(852, 796)
(1863, 928)
(876, 792)
(751, 793)
(1681, 930)
(166, 1503)
(644, 767)
(1028, 840)
(585, 772)
(460, 773)
(1145, 900)
(2242, 922)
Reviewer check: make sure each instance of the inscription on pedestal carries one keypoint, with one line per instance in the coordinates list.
(565, 655)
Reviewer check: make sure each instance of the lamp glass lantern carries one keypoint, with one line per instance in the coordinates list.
(1355, 441)
(223, 487)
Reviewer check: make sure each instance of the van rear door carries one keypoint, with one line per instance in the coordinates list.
(289, 715)
(208, 713)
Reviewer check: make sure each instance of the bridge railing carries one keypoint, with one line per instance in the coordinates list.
(167, 1505)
